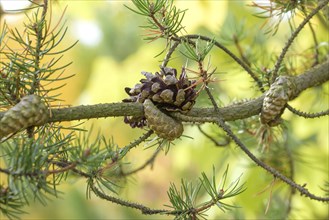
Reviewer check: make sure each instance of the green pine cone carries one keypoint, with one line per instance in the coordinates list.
(163, 125)
(30, 111)
(276, 98)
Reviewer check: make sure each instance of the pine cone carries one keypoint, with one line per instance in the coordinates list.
(163, 125)
(275, 100)
(30, 111)
(165, 90)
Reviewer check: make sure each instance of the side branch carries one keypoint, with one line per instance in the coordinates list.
(312, 77)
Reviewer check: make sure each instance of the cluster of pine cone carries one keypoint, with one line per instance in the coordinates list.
(166, 90)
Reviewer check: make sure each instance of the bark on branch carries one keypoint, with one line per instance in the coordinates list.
(312, 77)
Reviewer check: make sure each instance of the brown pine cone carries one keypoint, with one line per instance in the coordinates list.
(165, 90)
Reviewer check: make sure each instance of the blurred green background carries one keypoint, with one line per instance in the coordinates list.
(110, 56)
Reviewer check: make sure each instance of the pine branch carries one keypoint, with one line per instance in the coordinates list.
(293, 37)
(312, 77)
(307, 114)
(243, 64)
(221, 123)
(183, 201)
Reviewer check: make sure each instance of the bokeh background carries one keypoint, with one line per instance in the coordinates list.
(110, 55)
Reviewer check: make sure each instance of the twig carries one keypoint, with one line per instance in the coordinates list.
(148, 162)
(221, 123)
(144, 209)
(306, 114)
(217, 143)
(123, 151)
(169, 53)
(293, 36)
(234, 57)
